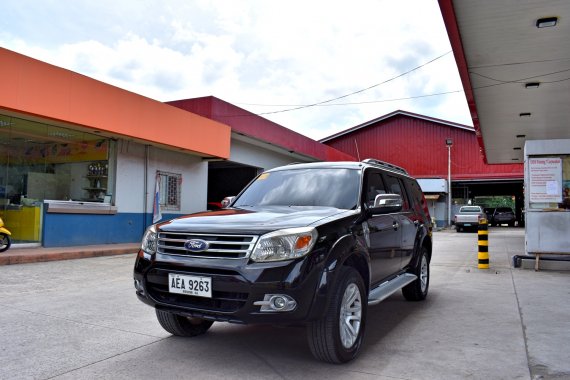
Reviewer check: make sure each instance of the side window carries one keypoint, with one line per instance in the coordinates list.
(394, 185)
(373, 186)
(417, 197)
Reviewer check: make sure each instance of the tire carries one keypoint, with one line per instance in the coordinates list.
(182, 326)
(5, 242)
(330, 338)
(418, 290)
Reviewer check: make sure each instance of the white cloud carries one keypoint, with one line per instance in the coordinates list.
(294, 52)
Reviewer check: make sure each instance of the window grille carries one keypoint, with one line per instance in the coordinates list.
(170, 184)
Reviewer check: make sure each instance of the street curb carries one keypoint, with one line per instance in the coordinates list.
(36, 255)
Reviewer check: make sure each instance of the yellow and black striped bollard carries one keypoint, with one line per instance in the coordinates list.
(483, 235)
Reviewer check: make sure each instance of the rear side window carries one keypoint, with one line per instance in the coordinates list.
(394, 185)
(418, 200)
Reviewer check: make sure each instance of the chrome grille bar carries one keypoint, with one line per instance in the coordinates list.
(220, 246)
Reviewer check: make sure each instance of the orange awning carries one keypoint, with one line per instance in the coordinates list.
(37, 88)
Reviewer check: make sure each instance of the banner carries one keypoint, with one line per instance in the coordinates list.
(156, 213)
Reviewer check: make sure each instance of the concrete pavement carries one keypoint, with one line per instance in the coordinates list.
(80, 319)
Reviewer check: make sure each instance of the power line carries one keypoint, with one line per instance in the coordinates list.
(326, 103)
(359, 91)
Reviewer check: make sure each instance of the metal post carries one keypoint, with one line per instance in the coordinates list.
(483, 244)
(449, 143)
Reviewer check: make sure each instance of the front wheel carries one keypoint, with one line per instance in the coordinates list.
(418, 290)
(182, 326)
(337, 337)
(5, 242)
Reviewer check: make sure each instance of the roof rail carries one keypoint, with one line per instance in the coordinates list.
(385, 164)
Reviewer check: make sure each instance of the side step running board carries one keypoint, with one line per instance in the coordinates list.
(385, 289)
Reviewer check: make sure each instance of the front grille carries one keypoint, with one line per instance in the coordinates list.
(220, 246)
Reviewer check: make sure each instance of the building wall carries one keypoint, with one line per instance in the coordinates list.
(252, 155)
(130, 221)
(418, 145)
(130, 179)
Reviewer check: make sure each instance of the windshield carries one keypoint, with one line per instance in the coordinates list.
(303, 187)
(470, 209)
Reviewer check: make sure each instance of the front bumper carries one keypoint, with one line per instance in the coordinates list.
(236, 286)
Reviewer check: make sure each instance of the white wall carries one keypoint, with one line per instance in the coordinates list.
(129, 191)
(253, 155)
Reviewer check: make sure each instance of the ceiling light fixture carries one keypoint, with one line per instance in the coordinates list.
(524, 114)
(532, 85)
(546, 22)
(521, 136)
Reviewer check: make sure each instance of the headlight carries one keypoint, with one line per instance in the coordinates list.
(285, 244)
(149, 241)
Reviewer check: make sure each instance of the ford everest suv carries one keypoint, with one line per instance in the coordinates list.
(305, 243)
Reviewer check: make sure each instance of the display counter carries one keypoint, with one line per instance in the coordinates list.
(75, 207)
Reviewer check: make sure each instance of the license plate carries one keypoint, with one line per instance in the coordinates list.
(190, 285)
(467, 224)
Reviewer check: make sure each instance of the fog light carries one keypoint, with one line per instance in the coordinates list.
(276, 302)
(279, 302)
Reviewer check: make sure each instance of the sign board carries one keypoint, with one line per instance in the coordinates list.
(545, 179)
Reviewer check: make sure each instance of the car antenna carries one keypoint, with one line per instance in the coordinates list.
(357, 152)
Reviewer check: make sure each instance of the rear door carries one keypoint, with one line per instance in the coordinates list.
(407, 220)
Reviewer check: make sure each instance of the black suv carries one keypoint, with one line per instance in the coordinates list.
(312, 243)
(504, 215)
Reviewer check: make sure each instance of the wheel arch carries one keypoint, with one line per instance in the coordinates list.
(358, 261)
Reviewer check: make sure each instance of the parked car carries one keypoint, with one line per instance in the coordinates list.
(307, 243)
(468, 217)
(504, 215)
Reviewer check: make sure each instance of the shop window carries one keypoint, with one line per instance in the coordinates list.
(41, 162)
(169, 194)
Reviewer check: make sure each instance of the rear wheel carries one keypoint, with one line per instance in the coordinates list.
(418, 290)
(182, 326)
(337, 337)
(5, 242)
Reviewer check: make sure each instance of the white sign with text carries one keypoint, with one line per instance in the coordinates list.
(545, 177)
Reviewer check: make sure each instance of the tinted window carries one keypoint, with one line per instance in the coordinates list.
(374, 186)
(394, 186)
(417, 197)
(470, 209)
(303, 187)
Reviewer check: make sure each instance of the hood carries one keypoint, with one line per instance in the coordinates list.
(256, 220)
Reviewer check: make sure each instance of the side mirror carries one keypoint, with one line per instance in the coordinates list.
(386, 204)
(227, 201)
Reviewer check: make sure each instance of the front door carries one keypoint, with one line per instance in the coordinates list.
(382, 232)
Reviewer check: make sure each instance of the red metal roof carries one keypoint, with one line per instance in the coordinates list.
(417, 143)
(252, 125)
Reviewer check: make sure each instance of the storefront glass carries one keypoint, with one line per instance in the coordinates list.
(41, 162)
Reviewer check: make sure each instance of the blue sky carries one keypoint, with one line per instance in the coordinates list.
(263, 55)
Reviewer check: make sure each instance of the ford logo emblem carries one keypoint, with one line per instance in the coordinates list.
(196, 245)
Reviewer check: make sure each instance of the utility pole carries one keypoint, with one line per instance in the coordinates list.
(449, 143)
